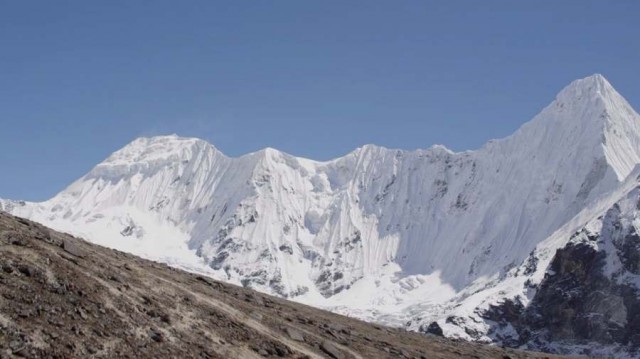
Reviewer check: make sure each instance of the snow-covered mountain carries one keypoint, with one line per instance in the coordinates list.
(432, 240)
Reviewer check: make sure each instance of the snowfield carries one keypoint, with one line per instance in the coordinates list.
(407, 238)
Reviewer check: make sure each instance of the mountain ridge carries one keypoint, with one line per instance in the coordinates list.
(595, 84)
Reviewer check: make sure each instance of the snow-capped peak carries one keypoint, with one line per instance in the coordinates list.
(588, 121)
(588, 95)
(594, 84)
(163, 148)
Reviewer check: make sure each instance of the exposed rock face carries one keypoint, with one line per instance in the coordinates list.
(578, 302)
(589, 297)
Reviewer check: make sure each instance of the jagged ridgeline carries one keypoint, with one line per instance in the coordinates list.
(462, 243)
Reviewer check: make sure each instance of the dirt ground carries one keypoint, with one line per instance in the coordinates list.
(62, 297)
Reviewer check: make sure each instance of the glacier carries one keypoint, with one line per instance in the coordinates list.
(421, 239)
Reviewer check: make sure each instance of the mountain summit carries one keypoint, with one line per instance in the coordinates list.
(594, 111)
(403, 237)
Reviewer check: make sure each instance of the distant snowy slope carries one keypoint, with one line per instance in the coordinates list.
(386, 235)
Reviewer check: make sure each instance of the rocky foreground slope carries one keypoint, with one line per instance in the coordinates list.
(63, 297)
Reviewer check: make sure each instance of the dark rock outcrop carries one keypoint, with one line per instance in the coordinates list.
(581, 301)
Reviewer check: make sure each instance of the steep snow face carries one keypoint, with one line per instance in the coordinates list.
(469, 215)
(383, 234)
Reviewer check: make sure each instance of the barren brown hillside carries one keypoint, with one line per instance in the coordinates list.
(63, 297)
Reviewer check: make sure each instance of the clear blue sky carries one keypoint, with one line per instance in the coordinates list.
(80, 79)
